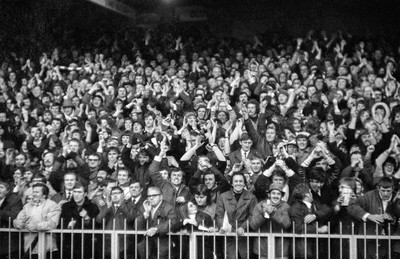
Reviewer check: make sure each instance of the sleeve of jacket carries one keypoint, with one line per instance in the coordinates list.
(297, 216)
(220, 211)
(105, 213)
(358, 208)
(163, 227)
(257, 217)
(194, 180)
(281, 216)
(252, 205)
(52, 218)
(155, 175)
(15, 205)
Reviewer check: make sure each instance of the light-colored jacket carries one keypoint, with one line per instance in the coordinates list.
(49, 217)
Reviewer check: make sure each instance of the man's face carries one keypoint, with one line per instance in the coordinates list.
(74, 146)
(117, 196)
(143, 159)
(256, 165)
(101, 175)
(246, 144)
(176, 178)
(56, 124)
(37, 193)
(322, 164)
(3, 191)
(123, 177)
(48, 159)
(137, 127)
(93, 161)
(316, 185)
(385, 193)
(79, 194)
(209, 181)
(275, 196)
(135, 190)
(238, 183)
(251, 108)
(154, 197)
(388, 169)
(164, 174)
(20, 160)
(278, 179)
(112, 155)
(270, 135)
(69, 181)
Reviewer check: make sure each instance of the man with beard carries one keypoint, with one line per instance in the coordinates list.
(271, 214)
(97, 189)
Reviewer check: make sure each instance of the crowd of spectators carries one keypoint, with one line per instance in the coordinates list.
(148, 130)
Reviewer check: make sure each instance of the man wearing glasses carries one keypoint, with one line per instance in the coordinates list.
(155, 216)
(117, 210)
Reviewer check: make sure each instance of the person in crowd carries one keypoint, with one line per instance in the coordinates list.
(118, 214)
(174, 190)
(66, 194)
(192, 219)
(156, 216)
(78, 213)
(271, 214)
(10, 206)
(42, 214)
(234, 208)
(289, 105)
(377, 212)
(307, 217)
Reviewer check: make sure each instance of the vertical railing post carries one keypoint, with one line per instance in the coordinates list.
(271, 244)
(114, 243)
(193, 246)
(353, 243)
(41, 245)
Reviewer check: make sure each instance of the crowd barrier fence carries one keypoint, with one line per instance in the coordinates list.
(123, 243)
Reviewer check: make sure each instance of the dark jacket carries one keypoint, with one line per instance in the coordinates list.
(70, 210)
(238, 211)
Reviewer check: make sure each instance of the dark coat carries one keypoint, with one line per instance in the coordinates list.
(70, 210)
(164, 217)
(170, 193)
(278, 222)
(297, 213)
(371, 203)
(9, 210)
(238, 211)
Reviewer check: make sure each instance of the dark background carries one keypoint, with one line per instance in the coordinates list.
(44, 22)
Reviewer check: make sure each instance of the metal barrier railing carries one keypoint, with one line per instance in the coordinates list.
(126, 243)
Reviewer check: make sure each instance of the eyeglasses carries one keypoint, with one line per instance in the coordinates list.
(153, 195)
(115, 193)
(93, 160)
